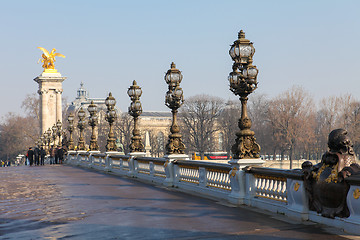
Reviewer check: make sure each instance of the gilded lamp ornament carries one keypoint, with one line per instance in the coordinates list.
(135, 111)
(243, 81)
(92, 109)
(54, 134)
(174, 99)
(81, 126)
(48, 59)
(70, 128)
(110, 118)
(59, 126)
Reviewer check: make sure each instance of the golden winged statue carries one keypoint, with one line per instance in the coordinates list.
(48, 59)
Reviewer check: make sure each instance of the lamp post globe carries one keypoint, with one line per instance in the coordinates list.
(173, 100)
(59, 126)
(135, 110)
(92, 109)
(81, 126)
(49, 138)
(70, 128)
(110, 118)
(243, 81)
(54, 134)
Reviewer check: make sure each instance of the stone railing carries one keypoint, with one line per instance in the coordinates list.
(275, 190)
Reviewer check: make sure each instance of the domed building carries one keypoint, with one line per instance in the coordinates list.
(83, 100)
(154, 124)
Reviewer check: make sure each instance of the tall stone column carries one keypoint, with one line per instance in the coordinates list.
(50, 90)
(58, 105)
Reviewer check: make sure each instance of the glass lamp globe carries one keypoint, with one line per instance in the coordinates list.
(234, 78)
(110, 101)
(92, 108)
(81, 113)
(58, 124)
(173, 76)
(250, 72)
(178, 92)
(71, 117)
(242, 49)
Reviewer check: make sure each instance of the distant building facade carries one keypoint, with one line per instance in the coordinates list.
(157, 124)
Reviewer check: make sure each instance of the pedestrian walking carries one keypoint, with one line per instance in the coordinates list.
(52, 155)
(42, 155)
(30, 155)
(36, 156)
(60, 153)
(56, 155)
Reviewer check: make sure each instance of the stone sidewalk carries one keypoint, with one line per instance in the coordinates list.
(63, 202)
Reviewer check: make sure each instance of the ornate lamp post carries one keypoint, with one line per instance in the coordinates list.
(59, 126)
(70, 128)
(54, 134)
(135, 110)
(45, 142)
(42, 141)
(243, 81)
(173, 100)
(81, 126)
(110, 118)
(49, 138)
(92, 109)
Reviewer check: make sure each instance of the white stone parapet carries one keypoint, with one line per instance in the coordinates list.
(275, 190)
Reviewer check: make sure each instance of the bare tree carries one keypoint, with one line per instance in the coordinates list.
(31, 105)
(290, 115)
(124, 127)
(228, 124)
(258, 106)
(16, 135)
(198, 118)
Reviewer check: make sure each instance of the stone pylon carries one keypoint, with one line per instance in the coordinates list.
(50, 90)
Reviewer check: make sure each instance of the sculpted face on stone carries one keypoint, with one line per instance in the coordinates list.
(339, 142)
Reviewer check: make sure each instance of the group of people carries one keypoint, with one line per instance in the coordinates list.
(56, 155)
(37, 155)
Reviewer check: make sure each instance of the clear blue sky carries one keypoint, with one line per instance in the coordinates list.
(107, 44)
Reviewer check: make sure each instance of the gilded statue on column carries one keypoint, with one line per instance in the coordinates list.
(48, 59)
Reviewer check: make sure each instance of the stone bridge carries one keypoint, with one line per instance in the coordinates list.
(67, 202)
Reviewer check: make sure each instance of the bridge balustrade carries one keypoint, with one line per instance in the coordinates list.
(275, 190)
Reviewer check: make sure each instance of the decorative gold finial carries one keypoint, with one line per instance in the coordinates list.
(241, 34)
(48, 59)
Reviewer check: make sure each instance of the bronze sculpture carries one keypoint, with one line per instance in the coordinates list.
(325, 182)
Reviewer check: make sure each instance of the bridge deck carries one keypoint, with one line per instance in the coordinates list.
(66, 202)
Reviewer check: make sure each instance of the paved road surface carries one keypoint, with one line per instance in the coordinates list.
(63, 202)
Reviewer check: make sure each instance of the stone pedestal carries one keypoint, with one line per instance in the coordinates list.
(242, 163)
(237, 178)
(50, 90)
(138, 154)
(177, 157)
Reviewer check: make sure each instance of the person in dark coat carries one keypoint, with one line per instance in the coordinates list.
(30, 155)
(52, 155)
(60, 153)
(42, 155)
(56, 155)
(36, 156)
